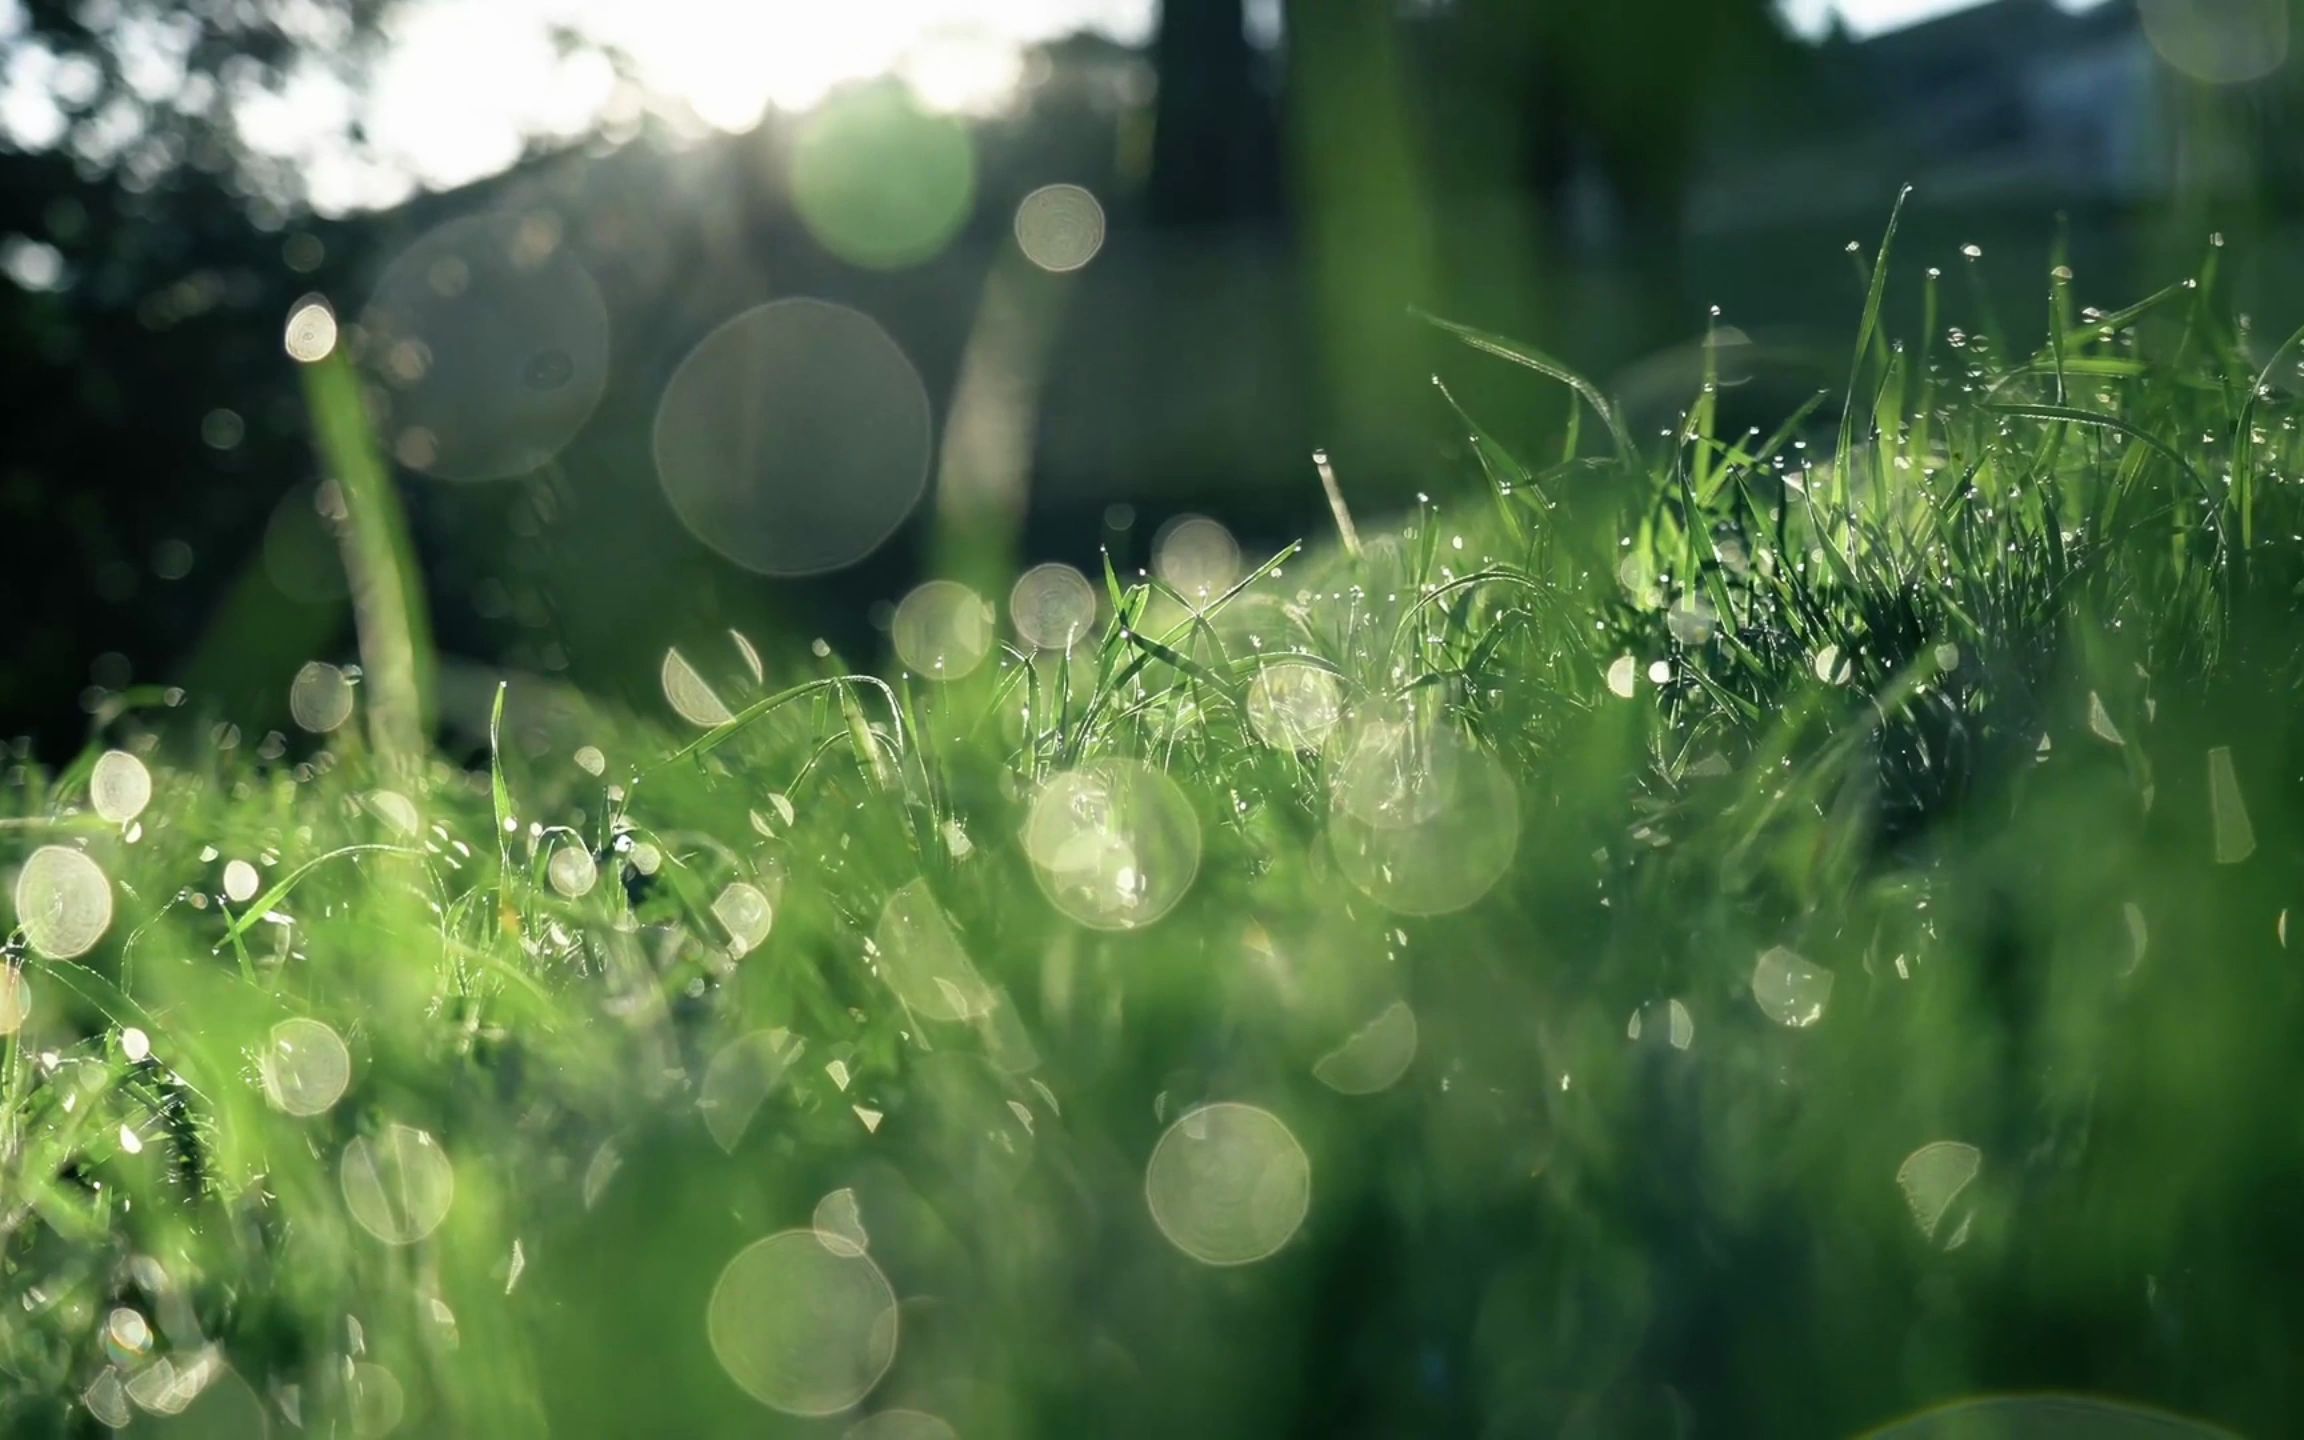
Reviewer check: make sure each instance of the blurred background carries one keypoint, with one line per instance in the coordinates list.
(698, 314)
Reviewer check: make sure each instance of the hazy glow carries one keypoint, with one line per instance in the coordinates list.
(2219, 42)
(1866, 18)
(240, 881)
(803, 1326)
(1228, 1184)
(1197, 556)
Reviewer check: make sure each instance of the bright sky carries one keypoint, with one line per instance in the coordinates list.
(467, 82)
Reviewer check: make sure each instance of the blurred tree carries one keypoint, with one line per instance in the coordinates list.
(1212, 124)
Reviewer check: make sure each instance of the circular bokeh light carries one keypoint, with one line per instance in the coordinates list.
(320, 697)
(119, 787)
(304, 1067)
(803, 1326)
(487, 342)
(1060, 227)
(1052, 606)
(1421, 820)
(63, 902)
(1228, 1184)
(879, 181)
(795, 438)
(397, 1184)
(942, 630)
(2046, 1417)
(1114, 844)
(921, 958)
(1294, 706)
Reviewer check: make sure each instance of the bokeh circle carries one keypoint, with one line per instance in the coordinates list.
(795, 438)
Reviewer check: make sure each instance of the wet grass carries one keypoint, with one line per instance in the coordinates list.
(1750, 934)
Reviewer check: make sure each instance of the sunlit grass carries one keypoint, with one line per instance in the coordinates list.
(1769, 931)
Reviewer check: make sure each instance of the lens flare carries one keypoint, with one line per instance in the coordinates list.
(795, 438)
(487, 341)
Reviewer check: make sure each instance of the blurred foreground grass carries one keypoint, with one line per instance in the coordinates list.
(1704, 934)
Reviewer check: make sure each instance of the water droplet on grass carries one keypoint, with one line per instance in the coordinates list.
(1228, 1184)
(591, 761)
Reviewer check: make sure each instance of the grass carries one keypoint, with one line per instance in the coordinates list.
(1834, 882)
